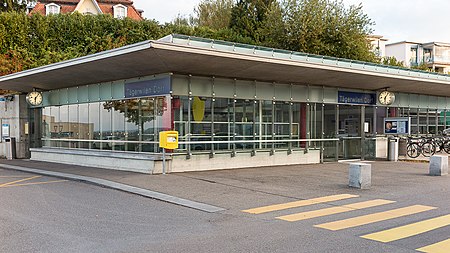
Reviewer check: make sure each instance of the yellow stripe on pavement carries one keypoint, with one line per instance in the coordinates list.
(46, 182)
(376, 217)
(11, 176)
(409, 230)
(307, 202)
(440, 247)
(334, 210)
(18, 181)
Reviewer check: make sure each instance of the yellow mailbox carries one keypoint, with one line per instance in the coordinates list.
(168, 139)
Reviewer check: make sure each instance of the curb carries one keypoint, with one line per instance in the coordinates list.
(121, 187)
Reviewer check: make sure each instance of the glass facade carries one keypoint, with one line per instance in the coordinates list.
(119, 125)
(216, 116)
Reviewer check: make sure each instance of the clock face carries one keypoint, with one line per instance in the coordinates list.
(34, 98)
(386, 97)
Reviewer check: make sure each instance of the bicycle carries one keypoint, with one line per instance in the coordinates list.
(418, 146)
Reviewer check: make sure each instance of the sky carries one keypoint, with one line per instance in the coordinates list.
(396, 20)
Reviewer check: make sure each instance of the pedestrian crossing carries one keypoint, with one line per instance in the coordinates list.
(300, 203)
(335, 210)
(385, 236)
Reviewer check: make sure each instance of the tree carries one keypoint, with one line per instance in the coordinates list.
(14, 5)
(422, 66)
(324, 27)
(215, 14)
(249, 16)
(392, 61)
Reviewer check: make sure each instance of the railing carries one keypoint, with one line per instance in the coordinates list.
(436, 58)
(251, 146)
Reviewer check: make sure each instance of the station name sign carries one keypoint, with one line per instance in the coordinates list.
(148, 88)
(346, 97)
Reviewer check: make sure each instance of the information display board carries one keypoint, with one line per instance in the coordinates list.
(5, 131)
(397, 125)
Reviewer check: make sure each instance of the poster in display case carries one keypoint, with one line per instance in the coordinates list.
(397, 125)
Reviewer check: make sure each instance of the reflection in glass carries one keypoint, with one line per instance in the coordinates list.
(180, 107)
(223, 109)
(201, 123)
(47, 120)
(94, 120)
(247, 121)
(266, 123)
(85, 129)
(281, 120)
(330, 131)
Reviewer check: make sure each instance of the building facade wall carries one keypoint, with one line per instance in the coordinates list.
(14, 115)
(221, 118)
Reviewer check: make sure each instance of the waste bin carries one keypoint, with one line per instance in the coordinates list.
(393, 149)
(10, 148)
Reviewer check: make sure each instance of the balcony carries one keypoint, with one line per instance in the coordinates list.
(441, 59)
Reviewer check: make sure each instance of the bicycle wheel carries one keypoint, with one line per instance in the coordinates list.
(428, 149)
(446, 147)
(413, 150)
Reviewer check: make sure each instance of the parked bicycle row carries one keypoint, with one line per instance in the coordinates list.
(427, 146)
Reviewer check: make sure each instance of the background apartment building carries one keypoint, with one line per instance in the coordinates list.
(435, 55)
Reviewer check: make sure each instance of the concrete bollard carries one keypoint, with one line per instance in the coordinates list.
(438, 165)
(360, 175)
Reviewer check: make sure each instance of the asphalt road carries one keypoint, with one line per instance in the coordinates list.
(44, 214)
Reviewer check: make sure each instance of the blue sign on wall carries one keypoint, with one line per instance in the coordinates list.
(148, 88)
(346, 97)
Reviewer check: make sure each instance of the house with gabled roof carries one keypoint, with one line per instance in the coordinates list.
(117, 8)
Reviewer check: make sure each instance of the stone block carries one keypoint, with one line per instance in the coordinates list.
(438, 165)
(360, 175)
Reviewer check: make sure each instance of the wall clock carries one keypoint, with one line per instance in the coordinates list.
(386, 97)
(34, 98)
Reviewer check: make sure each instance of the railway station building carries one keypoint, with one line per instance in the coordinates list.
(233, 105)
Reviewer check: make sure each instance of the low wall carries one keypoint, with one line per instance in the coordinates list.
(152, 164)
(241, 160)
(135, 162)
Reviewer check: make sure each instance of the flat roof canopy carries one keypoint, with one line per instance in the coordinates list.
(186, 56)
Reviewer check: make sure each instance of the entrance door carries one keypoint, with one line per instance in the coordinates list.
(349, 131)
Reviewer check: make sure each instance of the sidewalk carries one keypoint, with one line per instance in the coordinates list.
(244, 188)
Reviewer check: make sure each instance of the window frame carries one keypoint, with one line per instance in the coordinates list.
(49, 9)
(116, 10)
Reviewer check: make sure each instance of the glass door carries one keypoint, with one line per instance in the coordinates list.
(349, 131)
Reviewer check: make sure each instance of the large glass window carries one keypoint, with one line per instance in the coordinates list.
(414, 114)
(266, 118)
(94, 120)
(223, 123)
(350, 131)
(247, 121)
(181, 111)
(131, 109)
(329, 131)
(201, 123)
(106, 133)
(72, 125)
(282, 119)
(85, 129)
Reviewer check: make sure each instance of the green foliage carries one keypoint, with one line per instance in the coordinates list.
(423, 66)
(324, 27)
(32, 41)
(249, 16)
(392, 61)
(14, 5)
(215, 14)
